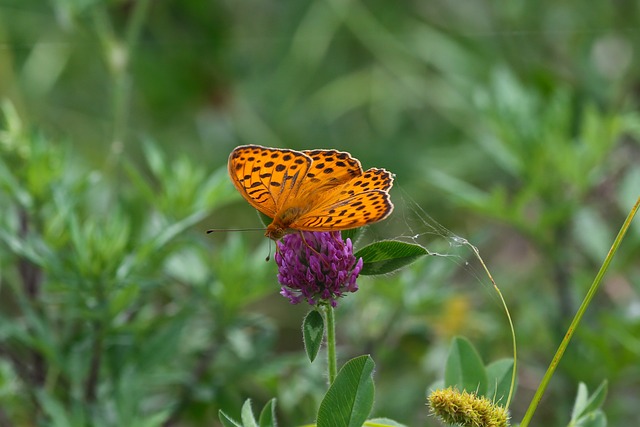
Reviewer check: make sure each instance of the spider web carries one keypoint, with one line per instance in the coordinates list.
(410, 223)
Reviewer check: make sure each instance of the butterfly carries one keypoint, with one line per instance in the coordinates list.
(310, 190)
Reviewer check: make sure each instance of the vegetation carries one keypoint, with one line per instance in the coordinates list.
(515, 126)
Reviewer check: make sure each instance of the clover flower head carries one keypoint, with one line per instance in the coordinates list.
(318, 267)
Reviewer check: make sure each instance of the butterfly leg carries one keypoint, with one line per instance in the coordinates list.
(307, 244)
(322, 257)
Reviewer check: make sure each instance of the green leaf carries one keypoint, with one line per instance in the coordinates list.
(627, 190)
(264, 218)
(268, 415)
(350, 398)
(54, 410)
(461, 190)
(596, 400)
(464, 369)
(160, 344)
(160, 241)
(155, 157)
(247, 415)
(22, 247)
(436, 385)
(123, 297)
(581, 401)
(596, 418)
(313, 332)
(388, 255)
(155, 420)
(227, 421)
(382, 422)
(595, 241)
(352, 234)
(499, 380)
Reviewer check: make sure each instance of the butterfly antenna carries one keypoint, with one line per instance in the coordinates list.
(269, 254)
(220, 230)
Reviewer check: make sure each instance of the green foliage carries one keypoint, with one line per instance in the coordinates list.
(102, 286)
(312, 333)
(349, 400)
(352, 234)
(264, 219)
(587, 410)
(387, 256)
(228, 421)
(465, 371)
(499, 380)
(382, 422)
(268, 415)
(515, 126)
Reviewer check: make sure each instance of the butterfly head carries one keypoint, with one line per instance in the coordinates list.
(275, 231)
(282, 222)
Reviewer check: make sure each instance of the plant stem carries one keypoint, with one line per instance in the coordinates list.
(332, 361)
(508, 314)
(576, 320)
(122, 78)
(118, 54)
(93, 377)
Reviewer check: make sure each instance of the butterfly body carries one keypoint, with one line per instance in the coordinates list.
(311, 190)
(281, 223)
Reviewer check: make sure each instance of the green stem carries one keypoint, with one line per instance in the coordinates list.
(332, 360)
(513, 331)
(576, 320)
(122, 77)
(118, 54)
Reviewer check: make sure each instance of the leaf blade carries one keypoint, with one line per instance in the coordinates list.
(268, 415)
(388, 255)
(312, 333)
(350, 398)
(499, 380)
(246, 414)
(464, 368)
(226, 420)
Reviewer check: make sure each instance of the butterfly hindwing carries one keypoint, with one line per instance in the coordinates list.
(362, 200)
(266, 177)
(362, 209)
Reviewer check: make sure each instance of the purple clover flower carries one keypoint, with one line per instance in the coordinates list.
(317, 268)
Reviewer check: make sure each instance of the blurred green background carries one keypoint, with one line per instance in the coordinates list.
(512, 124)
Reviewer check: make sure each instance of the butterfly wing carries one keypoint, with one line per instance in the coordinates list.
(362, 200)
(266, 177)
(329, 168)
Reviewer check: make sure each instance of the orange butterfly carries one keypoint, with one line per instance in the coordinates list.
(311, 190)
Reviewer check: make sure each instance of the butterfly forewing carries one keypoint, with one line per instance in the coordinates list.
(267, 177)
(329, 168)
